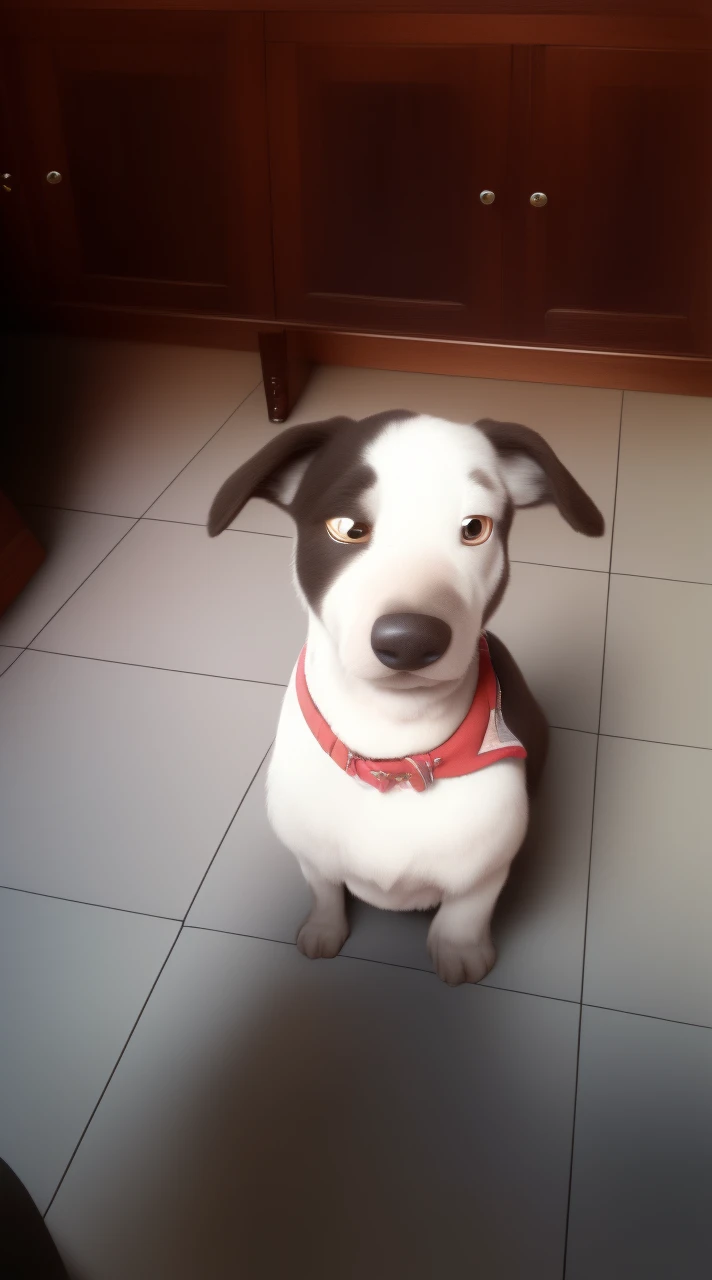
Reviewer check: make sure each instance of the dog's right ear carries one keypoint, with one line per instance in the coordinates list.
(275, 473)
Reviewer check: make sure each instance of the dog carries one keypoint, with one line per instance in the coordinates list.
(409, 744)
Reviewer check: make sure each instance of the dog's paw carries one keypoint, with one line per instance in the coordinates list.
(321, 939)
(456, 962)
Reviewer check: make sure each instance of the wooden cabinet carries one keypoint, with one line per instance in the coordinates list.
(382, 140)
(18, 262)
(379, 154)
(325, 170)
(156, 124)
(619, 256)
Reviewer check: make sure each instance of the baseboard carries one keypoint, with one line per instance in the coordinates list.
(136, 324)
(679, 375)
(671, 374)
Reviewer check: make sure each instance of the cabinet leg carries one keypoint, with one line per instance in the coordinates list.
(285, 371)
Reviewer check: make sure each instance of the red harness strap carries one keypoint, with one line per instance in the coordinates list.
(481, 739)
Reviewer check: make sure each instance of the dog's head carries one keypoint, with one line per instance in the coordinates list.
(402, 529)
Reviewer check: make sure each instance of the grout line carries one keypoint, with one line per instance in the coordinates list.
(114, 1070)
(485, 986)
(590, 852)
(278, 684)
(81, 584)
(656, 742)
(204, 445)
(545, 564)
(181, 926)
(82, 902)
(227, 829)
(22, 648)
(628, 737)
(135, 520)
(149, 666)
(654, 577)
(82, 511)
(390, 964)
(652, 1017)
(196, 524)
(566, 728)
(288, 537)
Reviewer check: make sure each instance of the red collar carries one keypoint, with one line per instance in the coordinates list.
(482, 738)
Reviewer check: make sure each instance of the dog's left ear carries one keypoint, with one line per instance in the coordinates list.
(274, 473)
(534, 475)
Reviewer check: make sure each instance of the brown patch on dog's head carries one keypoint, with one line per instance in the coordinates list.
(313, 472)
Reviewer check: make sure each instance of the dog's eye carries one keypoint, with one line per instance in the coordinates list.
(475, 529)
(341, 529)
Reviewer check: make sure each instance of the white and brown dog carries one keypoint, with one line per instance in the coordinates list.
(402, 764)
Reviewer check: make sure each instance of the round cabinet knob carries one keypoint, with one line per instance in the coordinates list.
(538, 199)
(6, 179)
(487, 197)
(53, 177)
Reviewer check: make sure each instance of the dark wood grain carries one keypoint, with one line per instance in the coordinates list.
(614, 28)
(637, 8)
(386, 120)
(158, 126)
(674, 375)
(614, 258)
(378, 158)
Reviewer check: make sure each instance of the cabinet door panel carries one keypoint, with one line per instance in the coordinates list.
(378, 158)
(158, 125)
(619, 256)
(18, 265)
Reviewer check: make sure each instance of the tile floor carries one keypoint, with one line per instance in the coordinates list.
(184, 1095)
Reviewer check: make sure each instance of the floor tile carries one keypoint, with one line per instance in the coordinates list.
(170, 596)
(192, 492)
(553, 621)
(378, 1120)
(116, 782)
(75, 543)
(581, 424)
(640, 1201)
(658, 678)
(8, 654)
(72, 983)
(663, 510)
(105, 426)
(649, 942)
(255, 887)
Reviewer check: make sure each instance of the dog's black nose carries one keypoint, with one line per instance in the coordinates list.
(409, 641)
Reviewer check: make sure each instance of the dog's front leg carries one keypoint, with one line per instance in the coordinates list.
(459, 939)
(326, 928)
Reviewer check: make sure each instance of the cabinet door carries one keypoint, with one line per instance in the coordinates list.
(620, 254)
(157, 125)
(17, 258)
(379, 154)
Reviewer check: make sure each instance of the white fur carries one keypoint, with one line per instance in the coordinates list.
(452, 845)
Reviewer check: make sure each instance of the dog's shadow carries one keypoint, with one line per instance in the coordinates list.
(515, 903)
(317, 1128)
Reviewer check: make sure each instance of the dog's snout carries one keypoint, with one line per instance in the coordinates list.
(409, 641)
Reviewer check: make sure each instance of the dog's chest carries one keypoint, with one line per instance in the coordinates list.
(397, 849)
